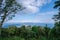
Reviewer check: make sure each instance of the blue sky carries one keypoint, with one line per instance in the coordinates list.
(37, 11)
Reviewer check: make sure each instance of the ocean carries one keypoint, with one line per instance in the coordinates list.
(31, 24)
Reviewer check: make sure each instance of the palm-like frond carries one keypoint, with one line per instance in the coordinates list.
(57, 4)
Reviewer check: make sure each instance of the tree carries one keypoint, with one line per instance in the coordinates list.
(57, 4)
(22, 31)
(8, 10)
(12, 31)
(56, 32)
(47, 32)
(57, 16)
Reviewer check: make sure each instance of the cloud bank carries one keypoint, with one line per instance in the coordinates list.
(45, 17)
(32, 6)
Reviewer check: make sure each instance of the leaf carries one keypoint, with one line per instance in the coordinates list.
(57, 4)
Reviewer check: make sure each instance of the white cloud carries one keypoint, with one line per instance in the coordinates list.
(48, 13)
(32, 21)
(45, 17)
(32, 6)
(23, 21)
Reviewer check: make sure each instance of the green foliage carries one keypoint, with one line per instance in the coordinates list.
(11, 30)
(57, 16)
(55, 32)
(35, 28)
(36, 33)
(8, 10)
(28, 32)
(12, 38)
(57, 4)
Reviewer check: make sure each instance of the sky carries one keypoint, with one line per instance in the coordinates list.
(37, 11)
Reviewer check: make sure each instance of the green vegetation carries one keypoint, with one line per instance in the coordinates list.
(27, 32)
(30, 33)
(9, 9)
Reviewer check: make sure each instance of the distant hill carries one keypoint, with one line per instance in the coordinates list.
(31, 24)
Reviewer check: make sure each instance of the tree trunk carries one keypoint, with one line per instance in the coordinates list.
(1, 27)
(1, 24)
